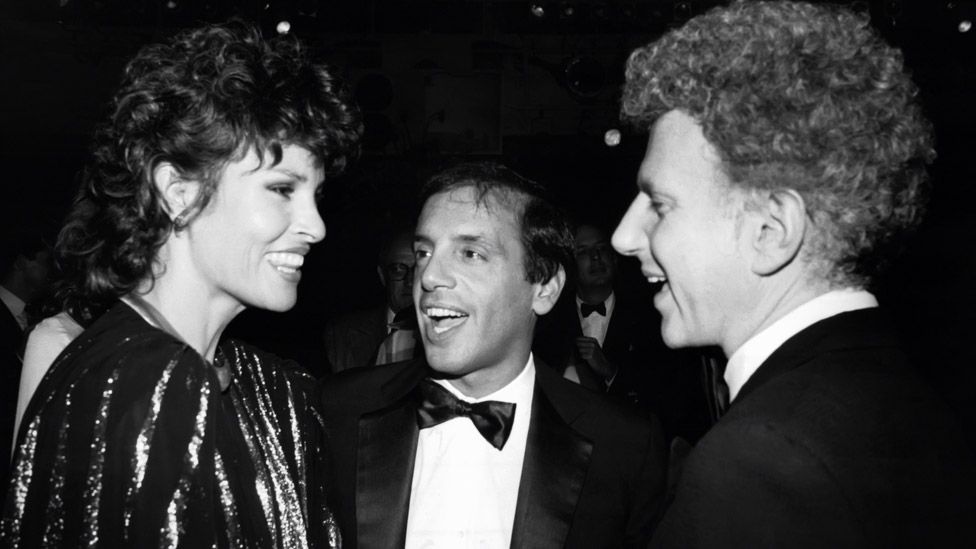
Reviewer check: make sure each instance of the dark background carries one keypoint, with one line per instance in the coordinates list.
(442, 80)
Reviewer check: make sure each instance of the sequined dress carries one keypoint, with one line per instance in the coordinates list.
(130, 442)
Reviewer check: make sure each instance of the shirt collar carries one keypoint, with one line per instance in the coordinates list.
(747, 358)
(608, 303)
(519, 390)
(15, 304)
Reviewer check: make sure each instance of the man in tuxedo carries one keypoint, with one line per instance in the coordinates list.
(586, 315)
(383, 334)
(478, 445)
(598, 337)
(787, 151)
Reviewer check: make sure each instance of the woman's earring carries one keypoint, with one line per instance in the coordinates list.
(179, 222)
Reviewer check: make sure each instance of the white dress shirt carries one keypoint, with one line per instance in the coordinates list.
(594, 326)
(399, 344)
(746, 359)
(16, 306)
(464, 490)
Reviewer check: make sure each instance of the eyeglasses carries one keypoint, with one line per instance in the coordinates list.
(399, 271)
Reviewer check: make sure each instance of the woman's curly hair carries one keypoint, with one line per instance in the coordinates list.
(198, 101)
(804, 97)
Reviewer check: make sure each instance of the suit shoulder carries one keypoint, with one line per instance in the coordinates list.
(357, 319)
(361, 390)
(852, 403)
(596, 415)
(848, 390)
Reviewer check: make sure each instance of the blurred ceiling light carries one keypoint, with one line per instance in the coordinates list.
(283, 27)
(965, 25)
(537, 10)
(612, 137)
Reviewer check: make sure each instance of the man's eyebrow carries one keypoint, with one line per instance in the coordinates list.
(478, 239)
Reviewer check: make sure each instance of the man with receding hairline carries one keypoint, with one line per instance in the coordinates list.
(383, 334)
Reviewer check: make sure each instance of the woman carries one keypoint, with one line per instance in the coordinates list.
(200, 201)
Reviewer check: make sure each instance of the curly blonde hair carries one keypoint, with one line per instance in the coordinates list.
(806, 97)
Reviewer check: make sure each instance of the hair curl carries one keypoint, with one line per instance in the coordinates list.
(546, 233)
(202, 99)
(806, 97)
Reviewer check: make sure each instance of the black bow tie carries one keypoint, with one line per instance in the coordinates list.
(586, 309)
(493, 419)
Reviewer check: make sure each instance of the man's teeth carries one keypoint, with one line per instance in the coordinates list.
(655, 279)
(286, 262)
(437, 312)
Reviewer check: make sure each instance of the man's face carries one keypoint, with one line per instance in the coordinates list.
(396, 272)
(475, 307)
(596, 262)
(684, 227)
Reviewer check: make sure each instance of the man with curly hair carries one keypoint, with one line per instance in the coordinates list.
(786, 158)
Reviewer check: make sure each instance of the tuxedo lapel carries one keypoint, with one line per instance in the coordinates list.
(384, 473)
(571, 316)
(11, 335)
(369, 336)
(553, 471)
(619, 328)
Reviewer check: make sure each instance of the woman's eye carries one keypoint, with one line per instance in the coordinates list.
(471, 254)
(283, 189)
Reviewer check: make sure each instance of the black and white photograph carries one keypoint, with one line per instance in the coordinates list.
(487, 274)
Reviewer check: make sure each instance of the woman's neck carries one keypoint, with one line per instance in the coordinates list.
(197, 318)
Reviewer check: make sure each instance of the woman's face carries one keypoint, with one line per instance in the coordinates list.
(248, 245)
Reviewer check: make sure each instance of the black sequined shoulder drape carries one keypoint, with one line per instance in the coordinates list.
(130, 442)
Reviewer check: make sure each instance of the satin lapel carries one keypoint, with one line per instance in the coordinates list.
(555, 465)
(384, 472)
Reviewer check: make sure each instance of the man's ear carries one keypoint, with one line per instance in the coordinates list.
(780, 230)
(547, 293)
(382, 275)
(177, 192)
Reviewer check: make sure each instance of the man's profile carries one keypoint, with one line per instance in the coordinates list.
(785, 162)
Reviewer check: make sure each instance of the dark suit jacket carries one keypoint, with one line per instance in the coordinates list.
(351, 340)
(651, 379)
(593, 475)
(833, 442)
